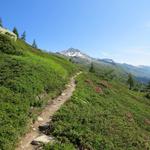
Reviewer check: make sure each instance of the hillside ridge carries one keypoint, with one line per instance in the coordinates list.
(142, 73)
(28, 78)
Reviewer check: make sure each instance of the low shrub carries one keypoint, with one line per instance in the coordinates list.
(8, 46)
(59, 146)
(147, 95)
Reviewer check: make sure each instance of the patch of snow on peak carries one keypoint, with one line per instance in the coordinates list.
(75, 53)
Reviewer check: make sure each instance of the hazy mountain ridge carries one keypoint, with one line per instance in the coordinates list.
(142, 73)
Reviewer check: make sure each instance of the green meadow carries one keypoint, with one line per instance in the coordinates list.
(28, 78)
(102, 114)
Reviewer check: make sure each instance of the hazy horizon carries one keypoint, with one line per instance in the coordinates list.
(99, 57)
(119, 30)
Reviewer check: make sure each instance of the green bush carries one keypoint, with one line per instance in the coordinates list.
(59, 146)
(8, 46)
(147, 95)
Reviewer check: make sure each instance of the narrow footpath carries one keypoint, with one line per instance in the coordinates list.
(46, 116)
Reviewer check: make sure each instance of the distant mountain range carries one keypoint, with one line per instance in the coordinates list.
(142, 73)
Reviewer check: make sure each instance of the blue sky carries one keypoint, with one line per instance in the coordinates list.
(117, 29)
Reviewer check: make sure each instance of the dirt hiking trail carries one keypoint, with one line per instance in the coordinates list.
(46, 116)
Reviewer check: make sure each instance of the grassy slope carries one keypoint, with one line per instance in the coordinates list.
(102, 116)
(25, 73)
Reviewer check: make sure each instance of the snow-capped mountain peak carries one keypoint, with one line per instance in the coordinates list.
(71, 52)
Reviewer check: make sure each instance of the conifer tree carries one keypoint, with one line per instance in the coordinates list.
(148, 86)
(130, 81)
(92, 70)
(16, 32)
(34, 44)
(1, 23)
(148, 90)
(23, 36)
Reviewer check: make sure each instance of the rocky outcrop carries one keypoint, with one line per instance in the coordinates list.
(8, 33)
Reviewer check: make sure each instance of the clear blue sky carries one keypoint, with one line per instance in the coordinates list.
(117, 29)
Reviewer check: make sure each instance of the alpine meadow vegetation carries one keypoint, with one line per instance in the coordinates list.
(102, 115)
(28, 78)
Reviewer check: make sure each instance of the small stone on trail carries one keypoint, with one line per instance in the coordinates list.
(63, 94)
(42, 139)
(34, 129)
(40, 119)
(44, 127)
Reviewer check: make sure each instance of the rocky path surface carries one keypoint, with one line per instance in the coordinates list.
(45, 117)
